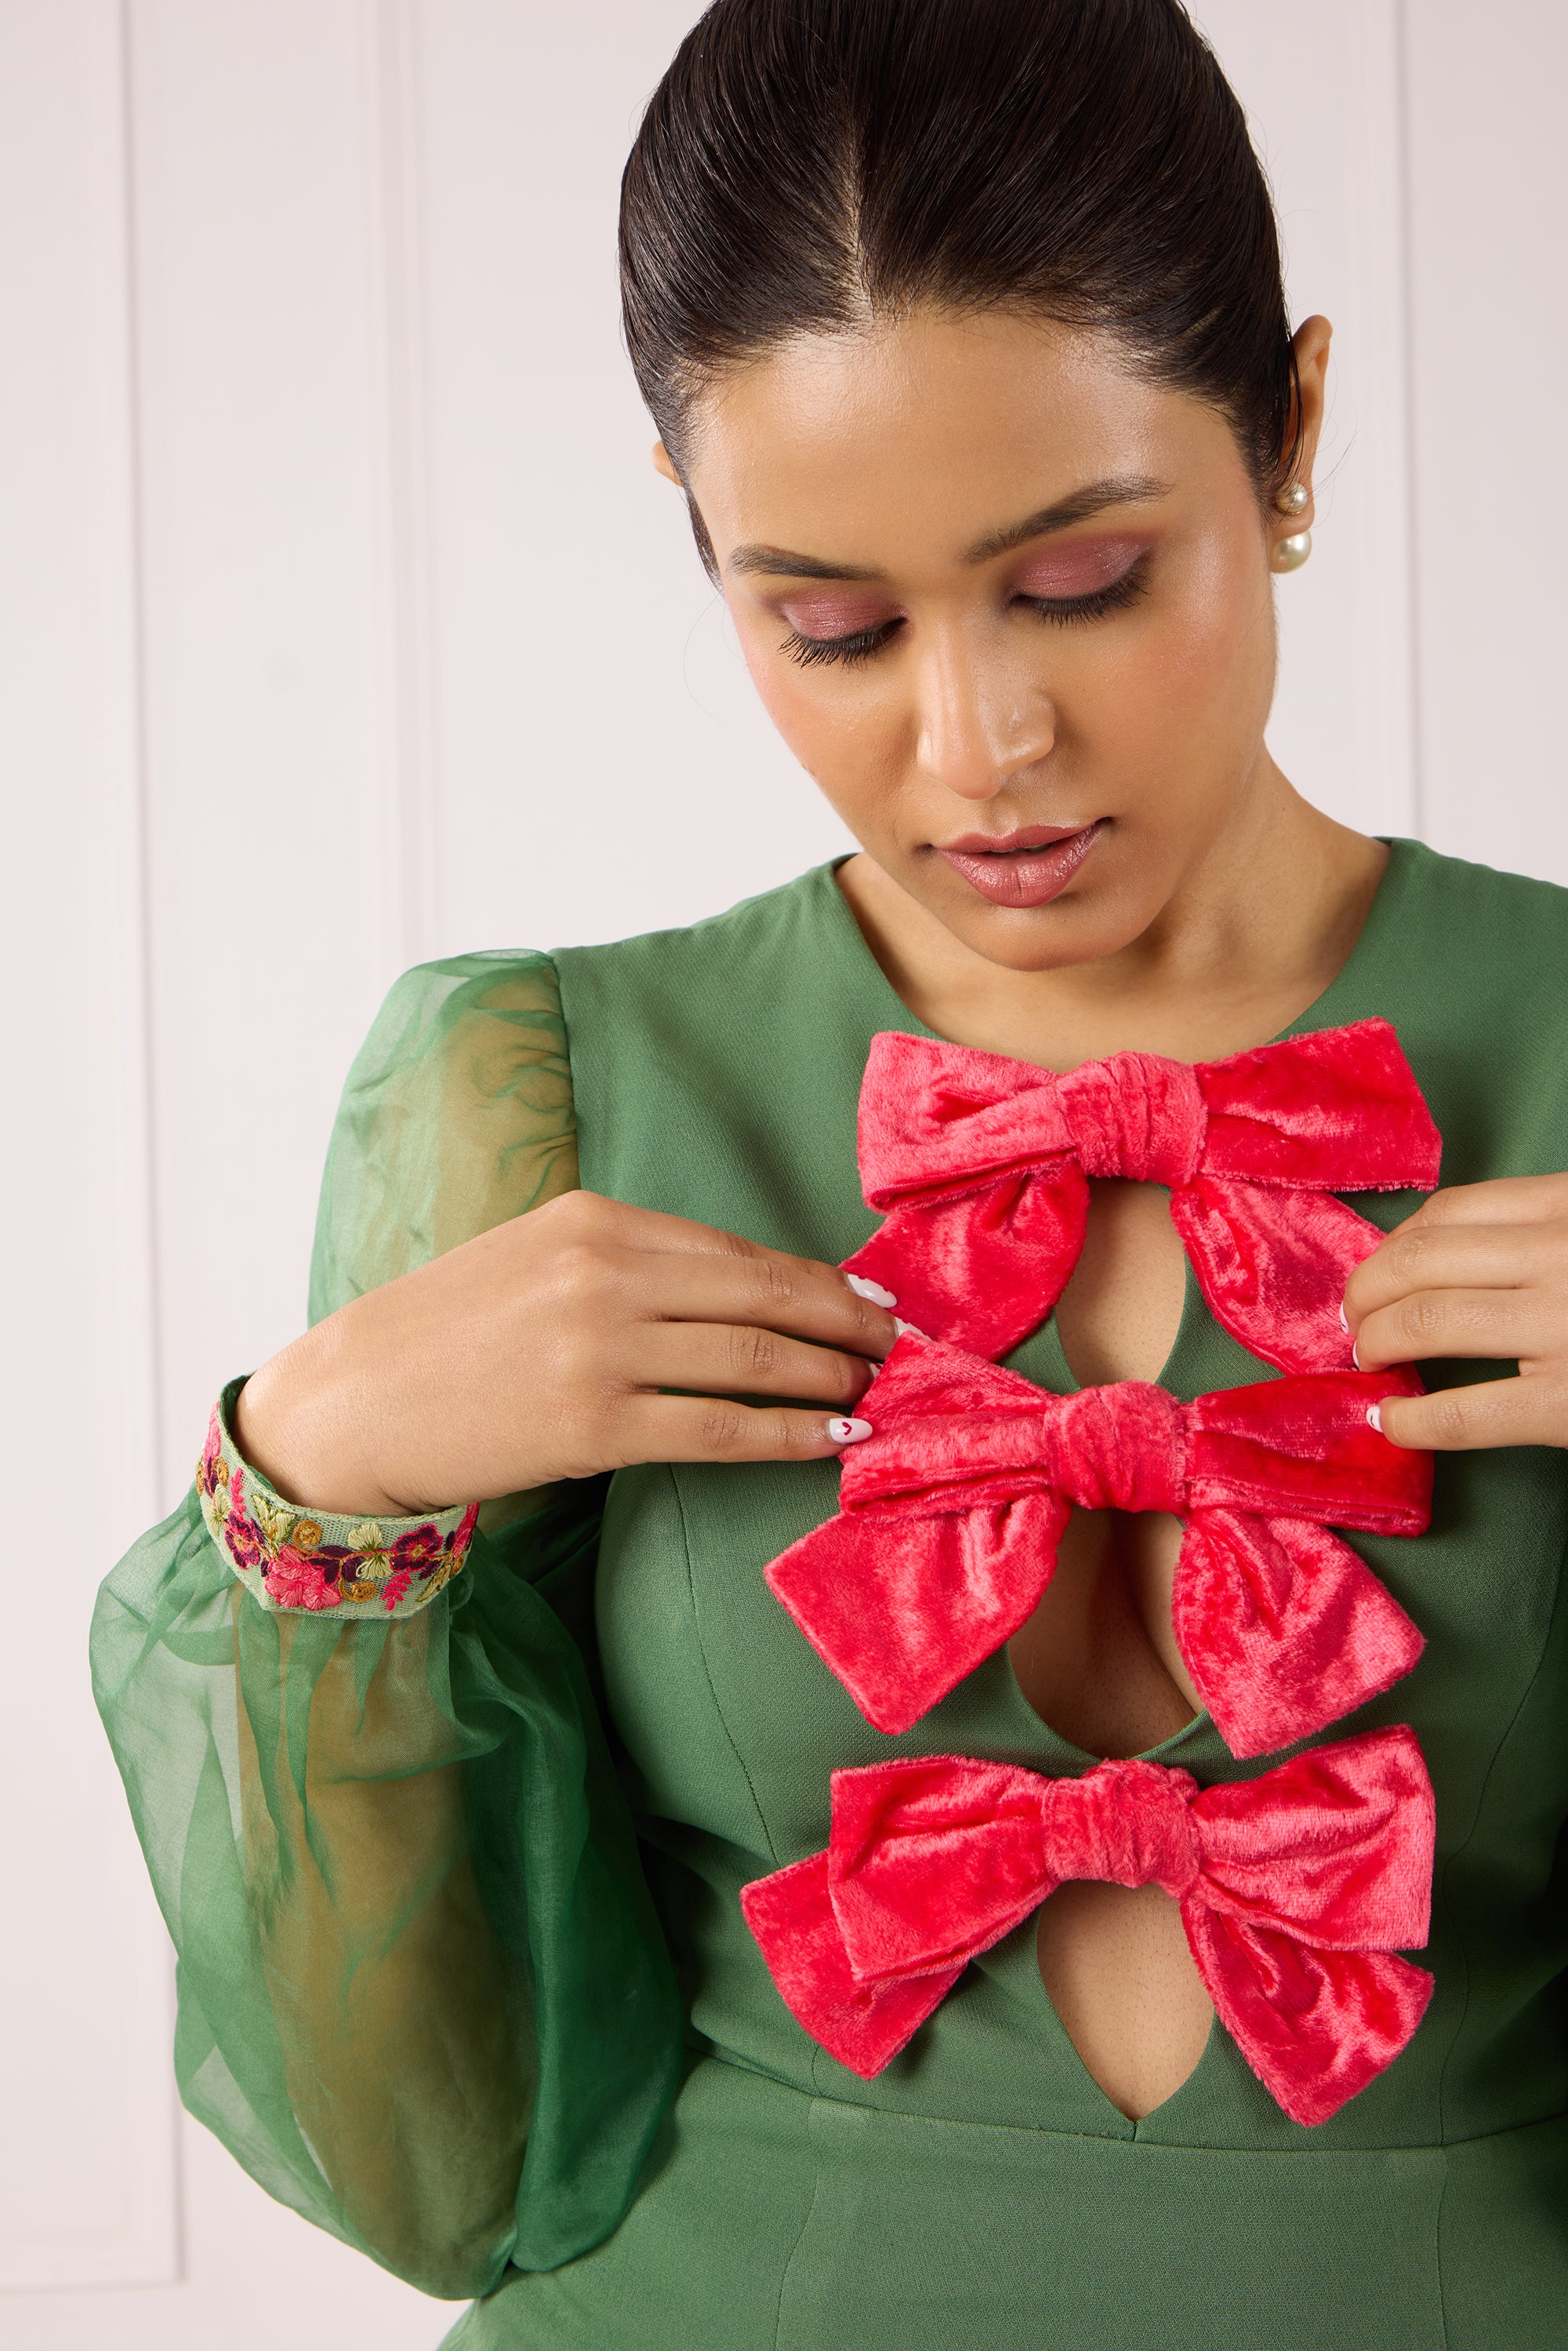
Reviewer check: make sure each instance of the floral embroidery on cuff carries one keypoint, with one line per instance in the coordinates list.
(288, 1558)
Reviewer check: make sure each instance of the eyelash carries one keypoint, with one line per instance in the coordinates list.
(1057, 612)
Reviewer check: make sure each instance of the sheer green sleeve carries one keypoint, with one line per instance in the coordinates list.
(424, 1996)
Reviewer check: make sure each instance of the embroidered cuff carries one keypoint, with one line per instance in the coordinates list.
(333, 1565)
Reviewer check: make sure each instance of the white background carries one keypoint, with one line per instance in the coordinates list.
(338, 607)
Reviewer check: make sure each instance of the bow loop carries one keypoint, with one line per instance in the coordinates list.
(1126, 1824)
(904, 1832)
(1137, 1115)
(932, 1116)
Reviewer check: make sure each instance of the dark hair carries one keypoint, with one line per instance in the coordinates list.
(809, 164)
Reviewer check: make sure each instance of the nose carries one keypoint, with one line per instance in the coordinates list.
(980, 724)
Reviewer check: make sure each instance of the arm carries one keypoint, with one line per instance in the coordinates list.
(423, 1995)
(344, 1812)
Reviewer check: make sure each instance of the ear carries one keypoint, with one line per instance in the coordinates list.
(1310, 344)
(664, 463)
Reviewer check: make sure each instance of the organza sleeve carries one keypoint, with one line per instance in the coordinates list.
(423, 1997)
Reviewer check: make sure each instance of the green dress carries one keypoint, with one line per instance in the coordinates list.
(427, 1873)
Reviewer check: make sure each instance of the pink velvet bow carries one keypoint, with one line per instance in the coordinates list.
(1296, 1890)
(980, 1163)
(950, 1515)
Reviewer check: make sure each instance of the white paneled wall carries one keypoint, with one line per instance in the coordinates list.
(339, 606)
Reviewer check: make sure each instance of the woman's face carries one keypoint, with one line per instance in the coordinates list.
(1011, 605)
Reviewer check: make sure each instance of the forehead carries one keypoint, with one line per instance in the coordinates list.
(883, 443)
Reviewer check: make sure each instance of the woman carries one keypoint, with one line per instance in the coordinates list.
(494, 1858)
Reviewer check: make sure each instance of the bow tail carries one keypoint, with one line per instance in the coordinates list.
(1282, 1627)
(1315, 2026)
(1273, 1265)
(864, 2026)
(901, 1608)
(982, 1267)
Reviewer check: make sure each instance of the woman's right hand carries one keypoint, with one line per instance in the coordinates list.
(540, 1350)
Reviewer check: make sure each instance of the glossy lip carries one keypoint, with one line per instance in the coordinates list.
(1026, 868)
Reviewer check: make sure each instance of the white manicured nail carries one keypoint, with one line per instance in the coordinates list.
(872, 1290)
(1356, 1354)
(1343, 1318)
(907, 1330)
(1374, 1417)
(848, 1432)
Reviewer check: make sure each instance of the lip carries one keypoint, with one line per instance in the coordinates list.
(1026, 868)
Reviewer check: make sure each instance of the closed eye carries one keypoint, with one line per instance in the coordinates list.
(1059, 611)
(858, 646)
(1064, 611)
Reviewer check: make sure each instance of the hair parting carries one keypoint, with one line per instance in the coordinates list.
(810, 166)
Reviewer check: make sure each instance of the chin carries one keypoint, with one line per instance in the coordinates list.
(1085, 924)
(1032, 941)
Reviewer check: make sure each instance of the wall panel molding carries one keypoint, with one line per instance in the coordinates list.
(1489, 224)
(1326, 117)
(89, 2180)
(395, 214)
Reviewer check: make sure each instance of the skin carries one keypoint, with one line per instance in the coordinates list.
(902, 462)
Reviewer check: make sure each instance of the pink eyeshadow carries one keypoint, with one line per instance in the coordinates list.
(1078, 569)
(817, 615)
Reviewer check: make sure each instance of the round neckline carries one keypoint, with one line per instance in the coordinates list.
(1321, 1013)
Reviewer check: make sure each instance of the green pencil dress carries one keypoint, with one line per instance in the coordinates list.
(463, 1972)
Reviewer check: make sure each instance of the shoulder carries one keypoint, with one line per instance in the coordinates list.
(744, 937)
(1488, 949)
(1483, 992)
(1486, 918)
(510, 991)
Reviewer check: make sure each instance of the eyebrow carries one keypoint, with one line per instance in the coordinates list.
(1080, 506)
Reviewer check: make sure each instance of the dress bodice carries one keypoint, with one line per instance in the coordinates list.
(716, 1074)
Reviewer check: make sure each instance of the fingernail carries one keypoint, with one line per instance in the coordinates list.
(872, 1290)
(907, 1330)
(1374, 1417)
(1356, 1354)
(1343, 1318)
(848, 1432)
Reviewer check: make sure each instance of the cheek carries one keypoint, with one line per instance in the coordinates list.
(830, 718)
(1204, 671)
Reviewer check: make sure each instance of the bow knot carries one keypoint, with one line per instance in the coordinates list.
(1126, 1824)
(1116, 1449)
(1137, 1115)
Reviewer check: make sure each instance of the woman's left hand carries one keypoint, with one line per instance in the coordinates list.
(1480, 1269)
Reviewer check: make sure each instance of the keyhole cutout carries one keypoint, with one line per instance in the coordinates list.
(1120, 1312)
(1098, 1662)
(1116, 1964)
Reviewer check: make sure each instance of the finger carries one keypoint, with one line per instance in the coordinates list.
(1524, 1410)
(622, 1226)
(1502, 1200)
(1497, 1325)
(747, 1359)
(793, 1295)
(719, 1277)
(712, 1428)
(1451, 1257)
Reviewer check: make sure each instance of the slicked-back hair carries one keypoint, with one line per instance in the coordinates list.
(812, 165)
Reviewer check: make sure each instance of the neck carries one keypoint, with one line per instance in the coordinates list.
(1252, 936)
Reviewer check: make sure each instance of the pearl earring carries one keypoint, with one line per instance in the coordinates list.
(1289, 554)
